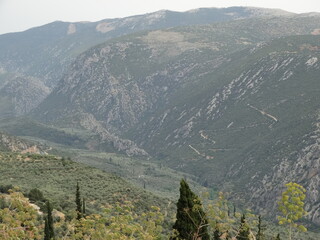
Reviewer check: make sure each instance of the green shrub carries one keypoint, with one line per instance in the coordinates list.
(35, 195)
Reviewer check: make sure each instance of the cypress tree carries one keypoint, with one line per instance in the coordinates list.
(48, 223)
(46, 230)
(191, 221)
(78, 202)
(83, 207)
(244, 230)
(260, 235)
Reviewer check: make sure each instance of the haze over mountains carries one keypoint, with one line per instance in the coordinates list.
(45, 52)
(230, 96)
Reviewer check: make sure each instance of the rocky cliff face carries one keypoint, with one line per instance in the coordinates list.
(21, 94)
(13, 144)
(292, 151)
(301, 166)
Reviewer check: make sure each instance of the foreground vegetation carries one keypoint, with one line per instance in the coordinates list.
(20, 220)
(110, 208)
(215, 219)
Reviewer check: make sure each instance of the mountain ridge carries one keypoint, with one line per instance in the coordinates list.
(181, 110)
(45, 52)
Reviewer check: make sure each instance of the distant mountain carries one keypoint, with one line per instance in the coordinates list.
(45, 52)
(234, 103)
(118, 82)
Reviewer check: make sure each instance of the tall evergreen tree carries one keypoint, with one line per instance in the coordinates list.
(83, 207)
(260, 234)
(244, 230)
(78, 203)
(191, 220)
(46, 230)
(48, 224)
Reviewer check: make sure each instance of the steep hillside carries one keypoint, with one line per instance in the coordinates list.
(12, 144)
(85, 147)
(20, 95)
(26, 127)
(114, 87)
(253, 124)
(57, 177)
(224, 102)
(44, 53)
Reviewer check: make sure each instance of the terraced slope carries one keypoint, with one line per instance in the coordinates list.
(57, 178)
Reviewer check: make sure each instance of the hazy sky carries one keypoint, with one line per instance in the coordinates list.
(19, 15)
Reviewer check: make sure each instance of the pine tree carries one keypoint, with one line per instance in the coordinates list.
(191, 221)
(244, 230)
(78, 203)
(48, 223)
